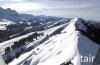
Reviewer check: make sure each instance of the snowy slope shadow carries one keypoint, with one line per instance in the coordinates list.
(87, 50)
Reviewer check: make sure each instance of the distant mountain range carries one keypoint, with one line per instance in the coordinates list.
(14, 16)
(38, 21)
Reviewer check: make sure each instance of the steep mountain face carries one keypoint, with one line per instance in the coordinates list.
(90, 29)
(70, 46)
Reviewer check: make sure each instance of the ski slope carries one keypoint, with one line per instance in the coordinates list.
(69, 45)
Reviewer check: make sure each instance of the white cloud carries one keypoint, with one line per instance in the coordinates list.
(22, 7)
(11, 0)
(16, 0)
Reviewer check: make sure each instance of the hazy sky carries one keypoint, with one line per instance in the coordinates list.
(89, 9)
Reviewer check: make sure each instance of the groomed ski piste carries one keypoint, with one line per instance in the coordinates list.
(61, 48)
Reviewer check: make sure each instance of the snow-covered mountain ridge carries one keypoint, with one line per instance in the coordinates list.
(69, 45)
